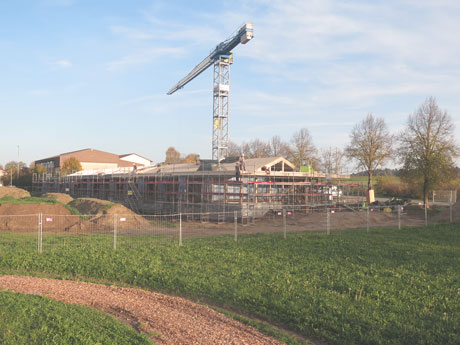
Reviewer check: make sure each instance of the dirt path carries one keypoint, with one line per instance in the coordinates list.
(170, 320)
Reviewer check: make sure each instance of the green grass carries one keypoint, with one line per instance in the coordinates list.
(38, 200)
(107, 207)
(30, 319)
(357, 179)
(389, 286)
(28, 200)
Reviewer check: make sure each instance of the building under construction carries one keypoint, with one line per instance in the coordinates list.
(254, 186)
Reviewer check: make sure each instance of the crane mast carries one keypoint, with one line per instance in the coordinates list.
(222, 58)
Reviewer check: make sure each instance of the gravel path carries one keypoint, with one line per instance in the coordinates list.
(170, 320)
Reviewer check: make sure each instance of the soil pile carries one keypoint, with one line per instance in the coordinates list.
(24, 217)
(99, 216)
(103, 220)
(60, 197)
(91, 206)
(13, 192)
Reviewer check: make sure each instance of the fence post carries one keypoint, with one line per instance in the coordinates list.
(399, 217)
(450, 205)
(115, 221)
(328, 221)
(180, 229)
(367, 218)
(284, 223)
(426, 215)
(40, 232)
(235, 218)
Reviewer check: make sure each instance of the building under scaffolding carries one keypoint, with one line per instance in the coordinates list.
(265, 184)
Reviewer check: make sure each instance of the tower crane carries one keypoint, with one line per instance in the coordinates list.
(222, 58)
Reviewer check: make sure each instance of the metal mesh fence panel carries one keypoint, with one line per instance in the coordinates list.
(135, 231)
(106, 231)
(20, 231)
(44, 232)
(445, 196)
(61, 231)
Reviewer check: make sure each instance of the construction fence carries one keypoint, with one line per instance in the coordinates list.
(119, 232)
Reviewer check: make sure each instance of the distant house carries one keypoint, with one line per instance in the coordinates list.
(136, 159)
(91, 159)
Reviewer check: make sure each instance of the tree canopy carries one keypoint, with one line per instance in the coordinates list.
(172, 156)
(70, 166)
(370, 146)
(427, 147)
(302, 150)
(332, 160)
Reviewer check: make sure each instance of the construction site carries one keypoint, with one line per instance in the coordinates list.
(220, 185)
(264, 185)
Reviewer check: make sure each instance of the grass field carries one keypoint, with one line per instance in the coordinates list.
(389, 286)
(35, 320)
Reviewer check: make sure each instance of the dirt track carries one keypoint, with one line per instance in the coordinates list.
(171, 320)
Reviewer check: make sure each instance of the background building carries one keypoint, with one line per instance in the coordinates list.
(91, 159)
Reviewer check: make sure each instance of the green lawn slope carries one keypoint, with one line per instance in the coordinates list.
(35, 320)
(388, 286)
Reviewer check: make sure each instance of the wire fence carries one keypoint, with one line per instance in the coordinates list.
(118, 231)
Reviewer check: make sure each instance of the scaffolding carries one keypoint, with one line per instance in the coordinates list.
(205, 192)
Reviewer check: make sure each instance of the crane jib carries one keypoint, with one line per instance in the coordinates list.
(243, 35)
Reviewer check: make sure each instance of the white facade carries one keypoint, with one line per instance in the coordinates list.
(136, 159)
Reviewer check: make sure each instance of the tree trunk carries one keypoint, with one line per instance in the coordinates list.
(369, 181)
(425, 193)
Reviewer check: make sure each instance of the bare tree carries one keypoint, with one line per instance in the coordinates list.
(332, 160)
(302, 150)
(258, 149)
(370, 146)
(427, 147)
(245, 149)
(277, 147)
(255, 149)
(233, 149)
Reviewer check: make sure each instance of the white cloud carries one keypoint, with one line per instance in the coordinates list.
(63, 64)
(143, 57)
(185, 34)
(132, 33)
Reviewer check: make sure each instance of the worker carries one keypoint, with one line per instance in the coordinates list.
(237, 171)
(242, 164)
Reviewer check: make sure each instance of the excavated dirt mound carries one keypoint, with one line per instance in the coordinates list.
(13, 192)
(24, 217)
(104, 217)
(91, 205)
(61, 197)
(99, 216)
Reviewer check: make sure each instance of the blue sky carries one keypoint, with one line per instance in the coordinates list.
(79, 73)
